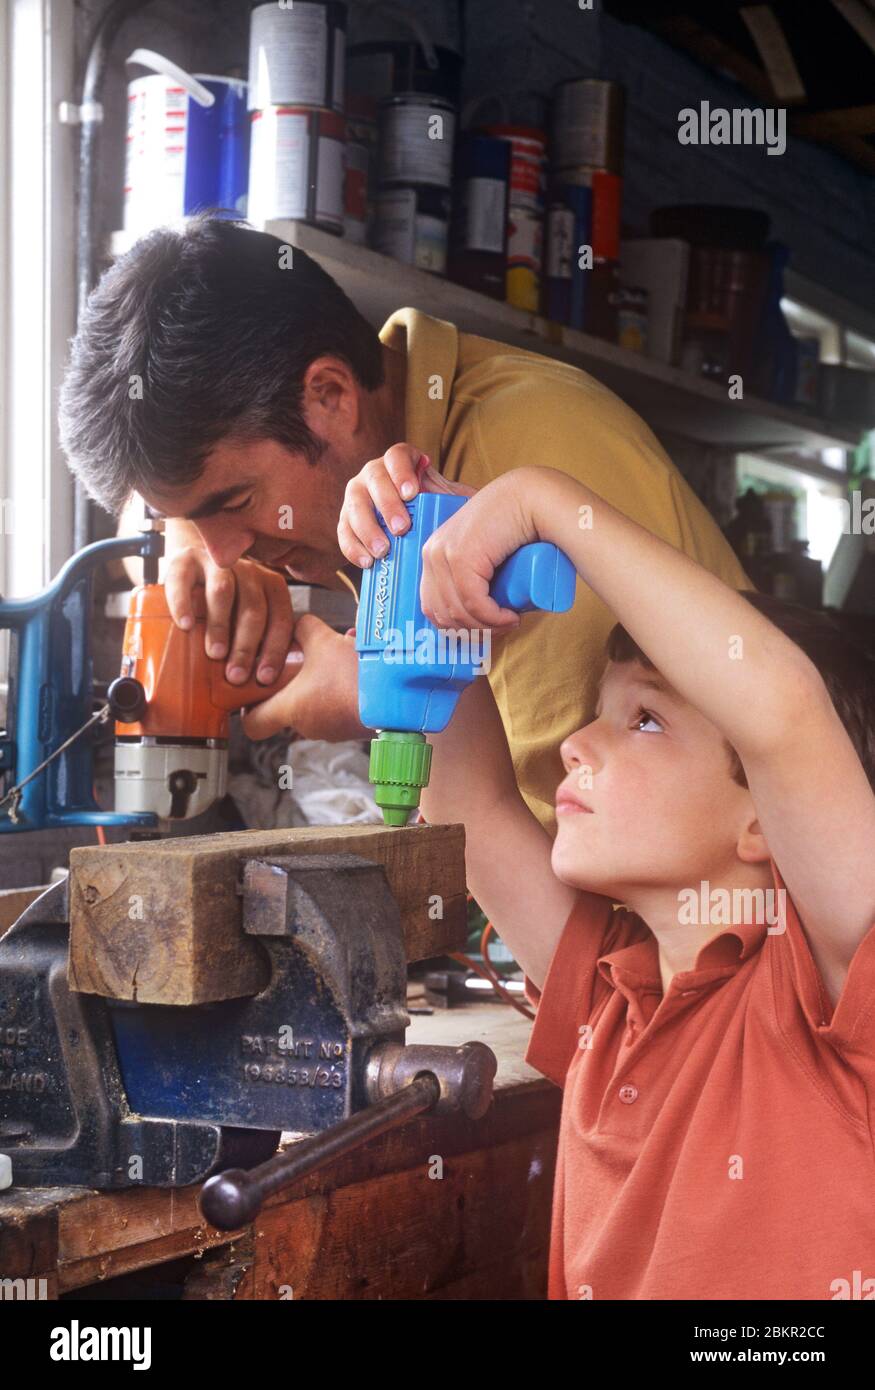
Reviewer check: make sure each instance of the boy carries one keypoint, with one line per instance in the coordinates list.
(715, 1035)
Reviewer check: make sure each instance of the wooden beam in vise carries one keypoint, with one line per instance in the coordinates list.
(160, 922)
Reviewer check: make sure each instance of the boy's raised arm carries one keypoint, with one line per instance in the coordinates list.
(815, 806)
(507, 850)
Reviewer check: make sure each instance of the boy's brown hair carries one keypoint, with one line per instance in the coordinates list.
(845, 661)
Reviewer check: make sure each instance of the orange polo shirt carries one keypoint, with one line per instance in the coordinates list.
(715, 1142)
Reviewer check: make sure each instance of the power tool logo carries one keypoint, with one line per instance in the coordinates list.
(381, 599)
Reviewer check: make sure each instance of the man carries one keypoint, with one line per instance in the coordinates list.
(233, 386)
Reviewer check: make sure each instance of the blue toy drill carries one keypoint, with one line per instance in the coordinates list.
(410, 672)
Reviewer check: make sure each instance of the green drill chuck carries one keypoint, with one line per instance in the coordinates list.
(399, 769)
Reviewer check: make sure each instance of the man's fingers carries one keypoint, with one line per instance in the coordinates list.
(280, 621)
(310, 630)
(221, 591)
(269, 716)
(249, 623)
(184, 572)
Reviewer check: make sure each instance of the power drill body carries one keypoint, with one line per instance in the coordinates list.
(173, 706)
(410, 672)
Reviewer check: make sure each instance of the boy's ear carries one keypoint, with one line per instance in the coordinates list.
(752, 847)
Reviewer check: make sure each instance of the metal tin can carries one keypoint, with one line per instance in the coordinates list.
(525, 244)
(412, 225)
(569, 227)
(527, 166)
(416, 138)
(587, 124)
(297, 55)
(632, 317)
(478, 237)
(182, 157)
(607, 199)
(297, 166)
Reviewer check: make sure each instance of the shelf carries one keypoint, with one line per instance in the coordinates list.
(670, 400)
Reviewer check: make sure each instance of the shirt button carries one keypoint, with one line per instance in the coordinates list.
(628, 1094)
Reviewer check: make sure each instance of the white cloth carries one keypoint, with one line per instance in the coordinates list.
(311, 783)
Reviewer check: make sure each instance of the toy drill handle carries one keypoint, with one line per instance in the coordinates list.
(535, 576)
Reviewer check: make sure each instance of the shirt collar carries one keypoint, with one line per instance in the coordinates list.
(721, 956)
(432, 348)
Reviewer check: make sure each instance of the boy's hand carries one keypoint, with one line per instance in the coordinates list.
(461, 557)
(384, 485)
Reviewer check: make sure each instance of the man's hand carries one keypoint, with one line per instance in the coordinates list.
(322, 700)
(254, 597)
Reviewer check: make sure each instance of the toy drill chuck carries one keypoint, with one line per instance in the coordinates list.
(399, 768)
(410, 673)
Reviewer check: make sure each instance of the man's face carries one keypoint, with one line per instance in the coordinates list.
(263, 501)
(258, 499)
(649, 800)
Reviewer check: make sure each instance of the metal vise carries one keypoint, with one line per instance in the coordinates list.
(110, 1094)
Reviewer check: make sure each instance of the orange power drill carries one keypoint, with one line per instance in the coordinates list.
(173, 706)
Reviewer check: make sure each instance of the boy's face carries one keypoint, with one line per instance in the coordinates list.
(649, 800)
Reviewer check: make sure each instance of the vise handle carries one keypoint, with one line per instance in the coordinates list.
(402, 1082)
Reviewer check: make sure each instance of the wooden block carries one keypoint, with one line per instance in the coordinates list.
(13, 901)
(160, 922)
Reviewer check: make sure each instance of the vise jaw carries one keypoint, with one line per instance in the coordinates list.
(110, 1094)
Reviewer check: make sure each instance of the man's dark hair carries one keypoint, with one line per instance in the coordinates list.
(220, 335)
(845, 662)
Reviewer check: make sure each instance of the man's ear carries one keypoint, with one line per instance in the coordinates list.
(329, 387)
(751, 847)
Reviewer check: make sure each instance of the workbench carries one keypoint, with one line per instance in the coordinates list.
(375, 1224)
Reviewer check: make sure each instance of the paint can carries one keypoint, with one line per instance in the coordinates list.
(525, 217)
(416, 139)
(297, 164)
(528, 164)
(187, 145)
(478, 237)
(569, 228)
(607, 201)
(297, 55)
(632, 317)
(412, 225)
(525, 246)
(587, 124)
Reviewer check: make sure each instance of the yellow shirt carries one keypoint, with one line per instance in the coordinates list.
(479, 408)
